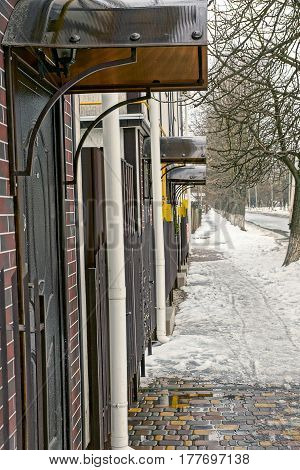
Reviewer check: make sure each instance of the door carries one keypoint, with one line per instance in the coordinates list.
(39, 247)
(93, 189)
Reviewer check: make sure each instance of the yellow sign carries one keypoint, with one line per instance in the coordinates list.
(185, 203)
(168, 212)
(182, 211)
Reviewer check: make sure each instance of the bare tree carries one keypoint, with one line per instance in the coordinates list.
(252, 105)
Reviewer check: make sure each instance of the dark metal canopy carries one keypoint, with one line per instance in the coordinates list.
(193, 175)
(179, 149)
(165, 33)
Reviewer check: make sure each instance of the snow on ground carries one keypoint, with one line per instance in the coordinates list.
(268, 210)
(240, 321)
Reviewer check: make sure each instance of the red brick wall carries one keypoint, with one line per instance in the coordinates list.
(8, 259)
(7, 228)
(73, 312)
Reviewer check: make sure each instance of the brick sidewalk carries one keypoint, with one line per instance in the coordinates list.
(177, 414)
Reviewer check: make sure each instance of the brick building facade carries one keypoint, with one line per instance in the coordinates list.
(9, 265)
(55, 319)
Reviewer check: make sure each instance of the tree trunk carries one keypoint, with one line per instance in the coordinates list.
(293, 252)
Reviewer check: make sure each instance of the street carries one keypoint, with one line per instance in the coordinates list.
(276, 223)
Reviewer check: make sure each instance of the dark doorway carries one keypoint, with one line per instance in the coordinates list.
(39, 255)
(93, 189)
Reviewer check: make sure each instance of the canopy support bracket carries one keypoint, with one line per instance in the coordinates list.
(170, 169)
(54, 99)
(179, 193)
(95, 123)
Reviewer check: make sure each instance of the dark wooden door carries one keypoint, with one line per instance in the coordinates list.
(93, 186)
(39, 244)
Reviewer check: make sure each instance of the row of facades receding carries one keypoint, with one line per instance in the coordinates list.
(91, 248)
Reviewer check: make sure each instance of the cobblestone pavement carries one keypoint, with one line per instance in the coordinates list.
(176, 414)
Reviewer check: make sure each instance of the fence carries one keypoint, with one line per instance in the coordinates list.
(134, 283)
(196, 217)
(171, 256)
(233, 207)
(98, 327)
(184, 245)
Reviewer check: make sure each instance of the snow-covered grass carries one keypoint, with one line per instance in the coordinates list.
(240, 321)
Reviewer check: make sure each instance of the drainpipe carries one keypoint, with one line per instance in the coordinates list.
(116, 275)
(189, 214)
(189, 193)
(158, 222)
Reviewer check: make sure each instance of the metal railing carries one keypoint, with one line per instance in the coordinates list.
(134, 284)
(171, 252)
(184, 245)
(149, 279)
(98, 288)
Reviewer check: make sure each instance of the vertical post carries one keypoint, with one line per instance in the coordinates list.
(189, 193)
(158, 222)
(116, 275)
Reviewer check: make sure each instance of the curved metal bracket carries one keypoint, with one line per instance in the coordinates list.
(66, 87)
(170, 169)
(184, 188)
(180, 187)
(94, 124)
(179, 191)
(174, 192)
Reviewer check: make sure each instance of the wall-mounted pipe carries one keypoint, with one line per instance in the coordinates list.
(116, 275)
(158, 222)
(189, 193)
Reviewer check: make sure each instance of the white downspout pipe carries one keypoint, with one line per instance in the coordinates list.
(158, 222)
(189, 211)
(189, 193)
(116, 275)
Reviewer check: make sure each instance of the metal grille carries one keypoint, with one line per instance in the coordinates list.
(149, 275)
(183, 241)
(171, 253)
(134, 286)
(98, 288)
(149, 282)
(30, 394)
